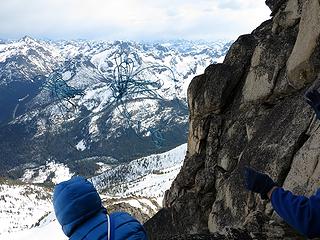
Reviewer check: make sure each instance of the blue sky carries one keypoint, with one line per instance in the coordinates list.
(130, 19)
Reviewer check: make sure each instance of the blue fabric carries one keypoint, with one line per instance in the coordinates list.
(300, 212)
(80, 212)
(127, 227)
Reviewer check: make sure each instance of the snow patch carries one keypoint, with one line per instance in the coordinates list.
(52, 171)
(66, 75)
(103, 167)
(81, 146)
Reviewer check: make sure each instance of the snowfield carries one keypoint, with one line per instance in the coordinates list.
(50, 230)
(21, 206)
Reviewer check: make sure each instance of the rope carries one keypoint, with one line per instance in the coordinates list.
(128, 83)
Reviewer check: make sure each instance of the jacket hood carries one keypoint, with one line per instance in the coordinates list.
(75, 201)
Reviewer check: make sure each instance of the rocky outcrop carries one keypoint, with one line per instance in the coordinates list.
(303, 64)
(249, 110)
(274, 5)
(288, 17)
(267, 63)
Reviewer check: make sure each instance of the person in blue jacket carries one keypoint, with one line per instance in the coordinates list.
(300, 212)
(79, 211)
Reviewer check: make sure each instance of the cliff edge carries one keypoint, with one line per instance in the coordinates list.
(249, 110)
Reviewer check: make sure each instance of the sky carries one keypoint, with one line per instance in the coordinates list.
(130, 19)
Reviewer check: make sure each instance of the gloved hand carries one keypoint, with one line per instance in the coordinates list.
(258, 182)
(313, 99)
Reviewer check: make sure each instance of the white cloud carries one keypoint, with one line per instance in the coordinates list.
(128, 19)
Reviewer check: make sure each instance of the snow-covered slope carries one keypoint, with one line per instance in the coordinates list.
(27, 58)
(148, 176)
(51, 171)
(22, 205)
(48, 229)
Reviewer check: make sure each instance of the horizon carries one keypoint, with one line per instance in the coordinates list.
(122, 40)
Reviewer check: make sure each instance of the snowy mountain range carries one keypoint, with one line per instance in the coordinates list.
(112, 111)
(91, 105)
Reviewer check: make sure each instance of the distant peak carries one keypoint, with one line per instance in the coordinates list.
(27, 39)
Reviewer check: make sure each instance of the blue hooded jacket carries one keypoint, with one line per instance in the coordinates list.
(80, 212)
(300, 212)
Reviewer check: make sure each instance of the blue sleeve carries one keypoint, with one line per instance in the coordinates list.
(300, 212)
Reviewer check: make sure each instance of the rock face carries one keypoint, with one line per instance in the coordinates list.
(249, 111)
(303, 65)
